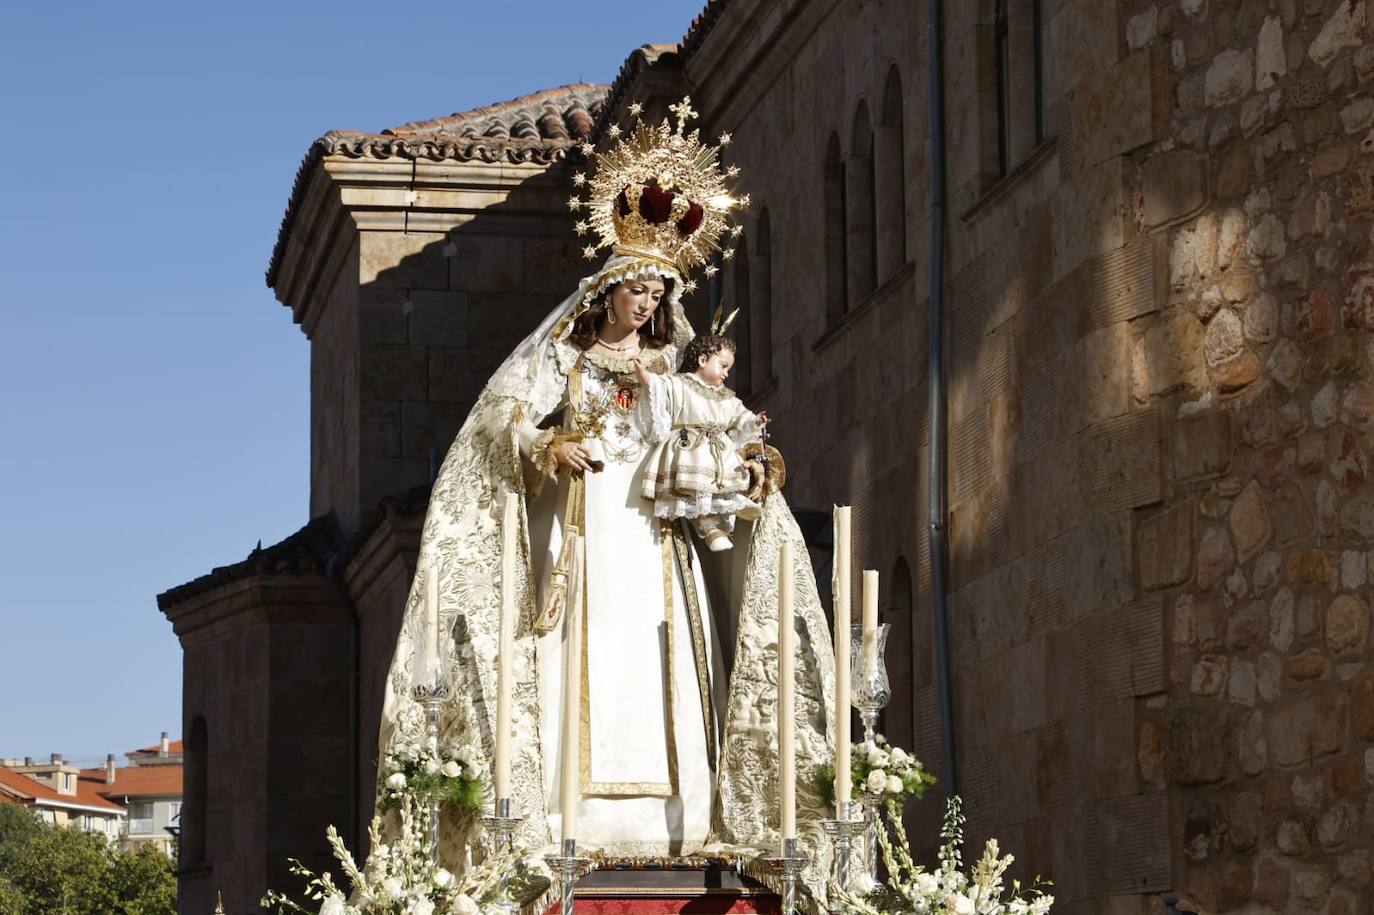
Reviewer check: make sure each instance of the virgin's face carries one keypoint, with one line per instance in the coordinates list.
(634, 301)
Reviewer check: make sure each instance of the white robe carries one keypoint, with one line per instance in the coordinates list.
(648, 771)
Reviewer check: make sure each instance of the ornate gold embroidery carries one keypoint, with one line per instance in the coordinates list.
(694, 623)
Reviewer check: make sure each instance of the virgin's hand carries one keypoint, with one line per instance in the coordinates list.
(571, 454)
(756, 478)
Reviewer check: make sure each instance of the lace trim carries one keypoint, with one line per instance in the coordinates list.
(660, 419)
(655, 362)
(713, 391)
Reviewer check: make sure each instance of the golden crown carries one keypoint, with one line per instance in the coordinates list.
(659, 194)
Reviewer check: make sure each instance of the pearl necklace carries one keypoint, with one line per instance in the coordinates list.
(618, 349)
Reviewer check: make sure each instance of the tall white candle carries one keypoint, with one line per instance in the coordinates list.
(510, 525)
(570, 789)
(843, 779)
(787, 706)
(870, 622)
(430, 658)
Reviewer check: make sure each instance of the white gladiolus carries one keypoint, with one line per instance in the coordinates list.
(451, 769)
(876, 781)
(465, 905)
(442, 878)
(396, 781)
(894, 785)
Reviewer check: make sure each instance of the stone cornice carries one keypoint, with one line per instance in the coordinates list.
(748, 46)
(244, 603)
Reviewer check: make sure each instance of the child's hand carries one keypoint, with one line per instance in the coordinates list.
(640, 371)
(762, 419)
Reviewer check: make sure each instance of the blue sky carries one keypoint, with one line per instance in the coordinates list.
(153, 393)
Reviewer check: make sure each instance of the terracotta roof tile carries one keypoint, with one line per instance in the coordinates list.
(174, 746)
(644, 57)
(133, 781)
(26, 790)
(539, 127)
(304, 552)
(702, 25)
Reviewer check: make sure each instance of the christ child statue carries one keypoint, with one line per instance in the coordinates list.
(699, 426)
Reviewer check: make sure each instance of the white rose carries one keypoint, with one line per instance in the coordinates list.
(394, 887)
(442, 878)
(894, 785)
(899, 757)
(333, 905)
(876, 781)
(465, 905)
(422, 907)
(431, 765)
(927, 883)
(962, 905)
(451, 769)
(396, 781)
(864, 884)
(877, 758)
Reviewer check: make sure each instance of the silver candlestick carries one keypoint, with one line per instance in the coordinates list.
(500, 827)
(841, 830)
(430, 697)
(870, 692)
(789, 866)
(569, 867)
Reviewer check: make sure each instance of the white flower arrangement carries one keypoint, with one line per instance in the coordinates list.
(402, 879)
(946, 890)
(412, 769)
(883, 771)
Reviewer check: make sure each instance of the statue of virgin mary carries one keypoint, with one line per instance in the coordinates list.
(679, 645)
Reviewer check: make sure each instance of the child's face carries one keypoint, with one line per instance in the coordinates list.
(715, 368)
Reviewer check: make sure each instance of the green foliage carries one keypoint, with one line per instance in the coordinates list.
(65, 871)
(465, 792)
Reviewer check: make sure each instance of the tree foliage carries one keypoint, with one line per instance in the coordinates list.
(65, 871)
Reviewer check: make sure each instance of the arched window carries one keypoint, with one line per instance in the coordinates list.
(890, 181)
(836, 288)
(761, 304)
(741, 379)
(863, 252)
(897, 614)
(195, 805)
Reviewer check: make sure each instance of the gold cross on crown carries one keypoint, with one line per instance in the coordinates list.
(684, 112)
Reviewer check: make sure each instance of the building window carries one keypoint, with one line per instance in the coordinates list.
(836, 287)
(742, 377)
(890, 181)
(860, 210)
(761, 304)
(1018, 66)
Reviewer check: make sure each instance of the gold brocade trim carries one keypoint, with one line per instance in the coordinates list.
(694, 623)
